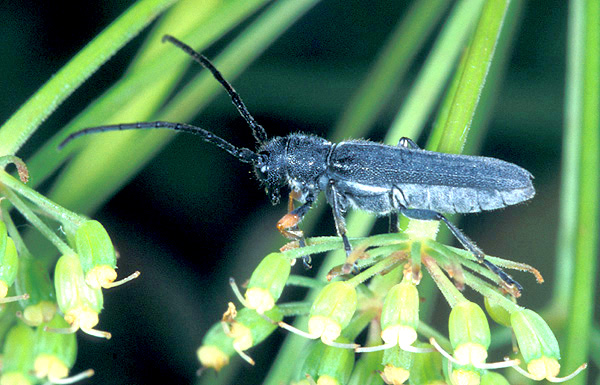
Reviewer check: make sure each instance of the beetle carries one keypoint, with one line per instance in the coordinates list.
(361, 174)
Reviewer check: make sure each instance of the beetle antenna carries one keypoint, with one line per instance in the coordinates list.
(258, 131)
(243, 154)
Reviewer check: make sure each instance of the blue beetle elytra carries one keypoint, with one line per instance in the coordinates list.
(377, 178)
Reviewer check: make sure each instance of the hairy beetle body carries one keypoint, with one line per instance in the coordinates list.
(379, 178)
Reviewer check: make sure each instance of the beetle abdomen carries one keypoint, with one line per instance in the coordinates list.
(421, 179)
(451, 200)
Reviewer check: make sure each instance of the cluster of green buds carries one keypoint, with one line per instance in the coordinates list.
(44, 300)
(31, 355)
(383, 299)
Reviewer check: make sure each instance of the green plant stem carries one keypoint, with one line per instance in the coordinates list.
(432, 78)
(567, 224)
(359, 323)
(450, 292)
(28, 118)
(19, 164)
(380, 266)
(36, 221)
(581, 306)
(295, 308)
(478, 61)
(55, 211)
(595, 341)
(323, 244)
(492, 293)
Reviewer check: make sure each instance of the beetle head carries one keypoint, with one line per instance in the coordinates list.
(270, 167)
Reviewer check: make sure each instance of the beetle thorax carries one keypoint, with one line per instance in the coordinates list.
(306, 161)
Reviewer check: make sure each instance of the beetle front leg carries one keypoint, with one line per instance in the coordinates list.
(430, 215)
(288, 224)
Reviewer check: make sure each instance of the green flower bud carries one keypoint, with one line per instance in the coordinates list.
(329, 365)
(216, 348)
(79, 303)
(465, 376)
(96, 253)
(267, 282)
(17, 359)
(55, 353)
(33, 279)
(312, 362)
(469, 333)
(493, 378)
(249, 329)
(400, 314)
(497, 312)
(9, 262)
(426, 368)
(537, 344)
(332, 311)
(397, 365)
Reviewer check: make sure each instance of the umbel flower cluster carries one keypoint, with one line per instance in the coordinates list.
(39, 315)
(384, 298)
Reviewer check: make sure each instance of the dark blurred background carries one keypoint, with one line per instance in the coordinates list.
(194, 216)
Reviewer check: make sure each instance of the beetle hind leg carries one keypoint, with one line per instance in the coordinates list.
(466, 242)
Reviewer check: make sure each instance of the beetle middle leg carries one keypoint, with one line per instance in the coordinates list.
(430, 215)
(288, 224)
(334, 199)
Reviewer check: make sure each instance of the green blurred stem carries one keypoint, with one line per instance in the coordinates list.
(36, 221)
(359, 323)
(582, 301)
(27, 119)
(478, 61)
(567, 225)
(302, 281)
(430, 82)
(294, 308)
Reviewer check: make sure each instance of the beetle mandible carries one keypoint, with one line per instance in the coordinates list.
(377, 178)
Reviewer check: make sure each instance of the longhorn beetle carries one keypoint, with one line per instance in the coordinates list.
(378, 178)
